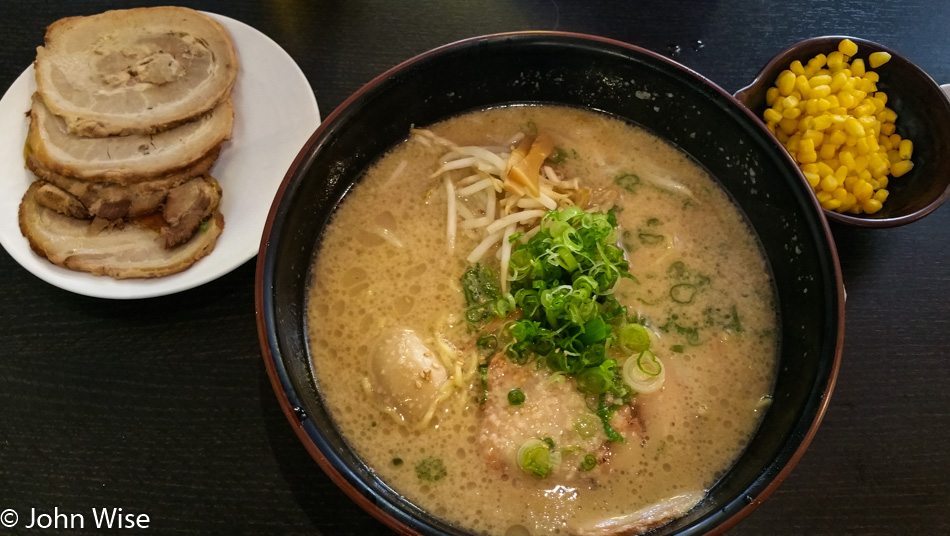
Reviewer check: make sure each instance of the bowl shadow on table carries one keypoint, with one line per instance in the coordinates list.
(329, 510)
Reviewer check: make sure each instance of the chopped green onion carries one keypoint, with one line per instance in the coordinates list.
(586, 425)
(628, 181)
(483, 376)
(536, 457)
(397, 461)
(486, 345)
(678, 348)
(644, 373)
(589, 462)
(634, 338)
(683, 293)
(516, 397)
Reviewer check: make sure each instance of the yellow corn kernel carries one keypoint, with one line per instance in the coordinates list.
(782, 137)
(860, 163)
(877, 165)
(887, 129)
(797, 68)
(827, 151)
(811, 107)
(895, 140)
(837, 136)
(772, 116)
(810, 168)
(836, 61)
(830, 204)
(864, 109)
(840, 194)
(819, 80)
(788, 126)
(877, 102)
(838, 81)
(862, 191)
(902, 167)
(893, 155)
(872, 76)
(847, 47)
(874, 184)
(820, 92)
(785, 82)
(867, 86)
(790, 101)
(812, 178)
(818, 61)
(873, 144)
(876, 59)
(852, 127)
(771, 95)
(849, 182)
(885, 143)
(857, 67)
(847, 159)
(806, 157)
(822, 122)
(883, 182)
(871, 206)
(846, 99)
(881, 95)
(829, 183)
(851, 141)
(823, 104)
(905, 149)
(802, 85)
(791, 113)
(823, 196)
(864, 175)
(841, 172)
(824, 169)
(881, 195)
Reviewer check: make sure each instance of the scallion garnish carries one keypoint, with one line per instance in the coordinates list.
(516, 397)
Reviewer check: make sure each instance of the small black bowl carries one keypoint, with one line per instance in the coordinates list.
(923, 116)
(599, 74)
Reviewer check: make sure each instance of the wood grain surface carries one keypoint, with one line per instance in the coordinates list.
(162, 406)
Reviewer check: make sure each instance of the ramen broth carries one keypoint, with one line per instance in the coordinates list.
(701, 285)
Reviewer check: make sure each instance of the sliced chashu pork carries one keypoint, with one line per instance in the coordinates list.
(552, 409)
(135, 71)
(186, 206)
(129, 251)
(111, 200)
(125, 159)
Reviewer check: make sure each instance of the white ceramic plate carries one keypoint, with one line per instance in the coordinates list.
(275, 113)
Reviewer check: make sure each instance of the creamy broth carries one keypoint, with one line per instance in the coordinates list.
(383, 265)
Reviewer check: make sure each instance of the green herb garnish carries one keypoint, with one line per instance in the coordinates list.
(516, 397)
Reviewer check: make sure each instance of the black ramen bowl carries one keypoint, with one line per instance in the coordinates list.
(630, 83)
(923, 116)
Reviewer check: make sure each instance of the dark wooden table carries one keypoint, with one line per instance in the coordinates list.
(162, 406)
